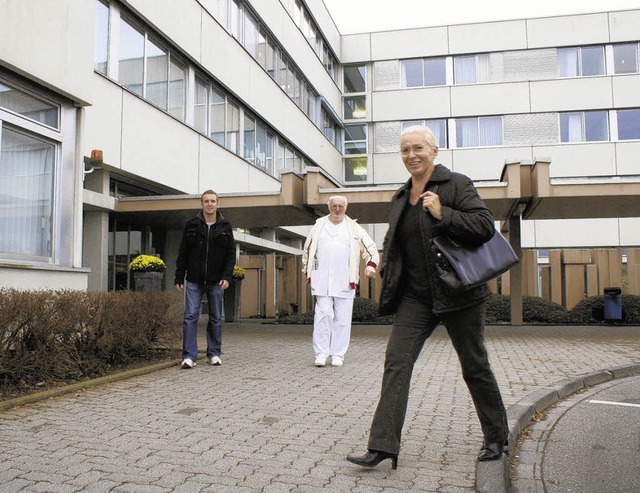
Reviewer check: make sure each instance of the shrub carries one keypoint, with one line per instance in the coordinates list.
(591, 310)
(57, 336)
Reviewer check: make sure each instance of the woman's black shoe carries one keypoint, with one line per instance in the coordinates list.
(493, 450)
(374, 457)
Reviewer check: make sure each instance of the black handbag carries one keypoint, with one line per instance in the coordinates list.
(461, 268)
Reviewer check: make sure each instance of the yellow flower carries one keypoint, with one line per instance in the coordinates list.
(147, 263)
(238, 272)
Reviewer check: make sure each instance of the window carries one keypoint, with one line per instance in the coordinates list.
(355, 139)
(589, 126)
(355, 169)
(478, 132)
(217, 118)
(628, 124)
(438, 127)
(427, 72)
(355, 77)
(200, 107)
(130, 57)
(251, 35)
(471, 69)
(249, 138)
(28, 106)
(233, 128)
(625, 58)
(355, 107)
(26, 194)
(100, 54)
(585, 61)
(157, 75)
(235, 19)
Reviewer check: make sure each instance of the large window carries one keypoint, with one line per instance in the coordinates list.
(424, 72)
(479, 132)
(130, 57)
(438, 127)
(625, 58)
(584, 126)
(101, 48)
(582, 61)
(355, 169)
(355, 139)
(472, 69)
(28, 106)
(628, 124)
(355, 107)
(26, 194)
(355, 78)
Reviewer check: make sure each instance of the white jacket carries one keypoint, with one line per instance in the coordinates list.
(360, 242)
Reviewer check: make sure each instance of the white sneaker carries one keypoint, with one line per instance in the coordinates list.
(215, 360)
(321, 361)
(336, 361)
(188, 363)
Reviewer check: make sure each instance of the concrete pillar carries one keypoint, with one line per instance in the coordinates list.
(515, 274)
(270, 285)
(95, 249)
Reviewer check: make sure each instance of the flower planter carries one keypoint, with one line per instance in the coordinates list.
(232, 301)
(148, 281)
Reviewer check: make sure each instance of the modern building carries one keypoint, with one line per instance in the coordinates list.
(116, 115)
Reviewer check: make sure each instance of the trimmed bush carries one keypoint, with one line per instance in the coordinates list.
(60, 336)
(591, 311)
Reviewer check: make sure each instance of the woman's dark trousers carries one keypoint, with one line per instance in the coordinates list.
(414, 323)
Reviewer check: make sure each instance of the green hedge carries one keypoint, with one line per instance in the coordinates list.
(498, 311)
(61, 336)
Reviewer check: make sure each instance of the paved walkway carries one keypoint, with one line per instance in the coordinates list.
(268, 421)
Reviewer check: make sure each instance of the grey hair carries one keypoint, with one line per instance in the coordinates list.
(333, 197)
(426, 131)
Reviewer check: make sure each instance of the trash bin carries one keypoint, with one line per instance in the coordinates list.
(612, 304)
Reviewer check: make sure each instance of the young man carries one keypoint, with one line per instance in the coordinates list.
(206, 257)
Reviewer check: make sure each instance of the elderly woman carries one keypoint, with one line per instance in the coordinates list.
(434, 201)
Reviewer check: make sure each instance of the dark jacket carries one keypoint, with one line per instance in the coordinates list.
(206, 254)
(465, 219)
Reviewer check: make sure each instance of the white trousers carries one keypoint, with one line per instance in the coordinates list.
(332, 326)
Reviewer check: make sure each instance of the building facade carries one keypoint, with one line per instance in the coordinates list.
(113, 112)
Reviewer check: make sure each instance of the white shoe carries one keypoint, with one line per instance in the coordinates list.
(336, 361)
(321, 361)
(188, 363)
(215, 360)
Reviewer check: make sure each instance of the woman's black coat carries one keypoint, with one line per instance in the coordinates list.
(465, 219)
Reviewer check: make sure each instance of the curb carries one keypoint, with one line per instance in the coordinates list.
(67, 389)
(493, 477)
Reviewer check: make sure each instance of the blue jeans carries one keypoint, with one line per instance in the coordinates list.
(413, 325)
(193, 301)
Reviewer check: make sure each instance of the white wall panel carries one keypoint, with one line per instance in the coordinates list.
(623, 26)
(103, 122)
(625, 91)
(220, 170)
(579, 159)
(568, 30)
(356, 48)
(413, 104)
(52, 43)
(389, 168)
(628, 154)
(157, 147)
(571, 94)
(493, 36)
(409, 43)
(482, 163)
(630, 231)
(490, 99)
(582, 233)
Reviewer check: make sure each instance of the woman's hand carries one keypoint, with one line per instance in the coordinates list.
(431, 203)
